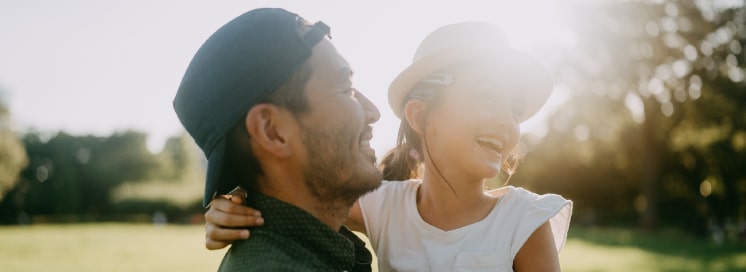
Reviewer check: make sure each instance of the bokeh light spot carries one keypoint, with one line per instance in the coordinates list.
(582, 133)
(42, 173)
(705, 188)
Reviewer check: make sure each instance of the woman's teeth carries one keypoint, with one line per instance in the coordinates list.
(492, 143)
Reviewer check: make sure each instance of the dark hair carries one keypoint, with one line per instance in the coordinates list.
(240, 164)
(400, 163)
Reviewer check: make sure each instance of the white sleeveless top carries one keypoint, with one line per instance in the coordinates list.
(404, 242)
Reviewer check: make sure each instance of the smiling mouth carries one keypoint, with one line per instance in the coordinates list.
(364, 143)
(491, 144)
(368, 151)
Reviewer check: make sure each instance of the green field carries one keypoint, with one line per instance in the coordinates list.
(125, 247)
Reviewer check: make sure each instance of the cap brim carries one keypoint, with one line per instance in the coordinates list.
(535, 81)
(213, 186)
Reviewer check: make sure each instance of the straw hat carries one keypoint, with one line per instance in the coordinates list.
(474, 42)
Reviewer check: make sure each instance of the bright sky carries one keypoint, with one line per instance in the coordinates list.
(94, 67)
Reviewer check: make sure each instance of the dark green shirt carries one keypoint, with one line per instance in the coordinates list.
(294, 240)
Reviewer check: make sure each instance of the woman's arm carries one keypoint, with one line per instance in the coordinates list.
(539, 252)
(227, 218)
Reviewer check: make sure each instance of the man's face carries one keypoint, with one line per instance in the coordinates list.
(336, 130)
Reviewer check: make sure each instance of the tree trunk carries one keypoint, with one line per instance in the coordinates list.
(650, 166)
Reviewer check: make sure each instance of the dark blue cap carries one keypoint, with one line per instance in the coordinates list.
(236, 68)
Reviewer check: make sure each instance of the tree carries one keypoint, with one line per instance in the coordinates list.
(655, 120)
(12, 153)
(89, 177)
(75, 174)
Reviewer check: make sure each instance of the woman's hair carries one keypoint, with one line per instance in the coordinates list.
(403, 161)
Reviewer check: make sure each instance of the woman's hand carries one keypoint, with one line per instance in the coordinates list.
(227, 220)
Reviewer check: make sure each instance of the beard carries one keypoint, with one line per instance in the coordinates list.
(335, 171)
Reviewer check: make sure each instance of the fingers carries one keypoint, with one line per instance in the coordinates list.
(226, 213)
(232, 206)
(217, 237)
(227, 219)
(237, 199)
(238, 195)
(240, 192)
(213, 245)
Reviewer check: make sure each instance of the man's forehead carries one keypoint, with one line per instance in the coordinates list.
(343, 67)
(335, 63)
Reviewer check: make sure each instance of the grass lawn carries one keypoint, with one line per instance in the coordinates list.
(105, 247)
(591, 249)
(125, 247)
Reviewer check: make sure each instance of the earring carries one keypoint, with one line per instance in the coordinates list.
(508, 168)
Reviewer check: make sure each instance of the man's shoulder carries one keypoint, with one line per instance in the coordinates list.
(266, 252)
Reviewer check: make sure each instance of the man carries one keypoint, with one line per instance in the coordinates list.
(271, 103)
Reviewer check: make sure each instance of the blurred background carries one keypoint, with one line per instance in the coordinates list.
(645, 130)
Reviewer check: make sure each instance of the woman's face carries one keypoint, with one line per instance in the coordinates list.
(474, 127)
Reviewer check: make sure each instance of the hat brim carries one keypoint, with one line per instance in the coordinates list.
(213, 186)
(535, 81)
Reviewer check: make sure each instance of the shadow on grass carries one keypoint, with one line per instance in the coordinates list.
(729, 256)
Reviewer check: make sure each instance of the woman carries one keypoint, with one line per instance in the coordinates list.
(460, 104)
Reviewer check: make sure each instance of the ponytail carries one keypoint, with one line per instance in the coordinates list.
(403, 162)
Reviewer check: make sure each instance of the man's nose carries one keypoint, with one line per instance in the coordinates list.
(371, 111)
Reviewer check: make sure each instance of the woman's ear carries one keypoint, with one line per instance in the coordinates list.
(414, 112)
(268, 126)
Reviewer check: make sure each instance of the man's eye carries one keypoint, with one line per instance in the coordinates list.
(350, 91)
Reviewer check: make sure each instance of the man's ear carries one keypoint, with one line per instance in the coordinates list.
(269, 129)
(414, 112)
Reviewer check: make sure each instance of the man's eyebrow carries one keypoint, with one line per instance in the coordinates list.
(346, 71)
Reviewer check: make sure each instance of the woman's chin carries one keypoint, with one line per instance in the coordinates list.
(488, 170)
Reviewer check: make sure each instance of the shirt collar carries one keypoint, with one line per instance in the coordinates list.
(342, 250)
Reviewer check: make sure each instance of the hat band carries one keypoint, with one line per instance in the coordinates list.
(316, 33)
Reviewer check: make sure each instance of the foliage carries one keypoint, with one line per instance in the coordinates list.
(82, 175)
(653, 132)
(180, 178)
(12, 154)
(654, 127)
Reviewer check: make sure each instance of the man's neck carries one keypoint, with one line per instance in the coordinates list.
(331, 212)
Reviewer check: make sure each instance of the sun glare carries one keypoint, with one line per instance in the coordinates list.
(529, 25)
(378, 38)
